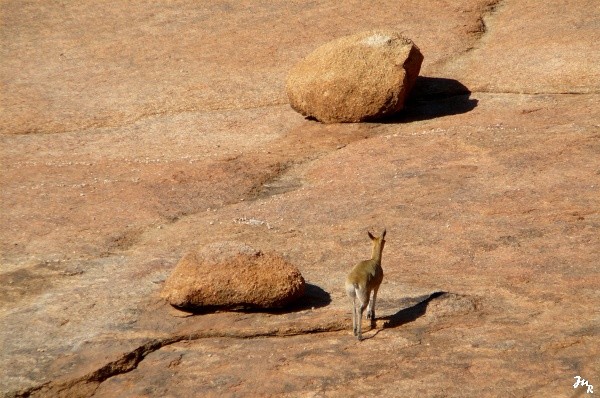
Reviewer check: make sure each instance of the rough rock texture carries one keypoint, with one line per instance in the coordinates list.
(232, 275)
(132, 131)
(563, 65)
(355, 78)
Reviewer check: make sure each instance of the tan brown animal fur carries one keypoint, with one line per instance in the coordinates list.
(363, 280)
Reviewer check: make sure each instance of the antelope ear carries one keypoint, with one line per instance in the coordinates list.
(371, 236)
(383, 234)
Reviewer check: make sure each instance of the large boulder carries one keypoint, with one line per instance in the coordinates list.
(355, 78)
(230, 275)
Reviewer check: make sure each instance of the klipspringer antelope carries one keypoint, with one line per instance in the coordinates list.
(363, 280)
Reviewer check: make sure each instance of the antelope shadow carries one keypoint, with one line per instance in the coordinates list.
(410, 314)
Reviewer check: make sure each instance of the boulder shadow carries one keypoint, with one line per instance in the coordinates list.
(410, 314)
(433, 97)
(314, 297)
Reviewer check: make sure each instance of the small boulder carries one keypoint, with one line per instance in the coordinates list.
(355, 78)
(230, 275)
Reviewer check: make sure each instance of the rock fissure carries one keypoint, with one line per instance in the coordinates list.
(482, 27)
(95, 125)
(129, 361)
(85, 386)
(536, 92)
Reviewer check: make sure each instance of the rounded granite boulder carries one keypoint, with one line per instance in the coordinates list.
(232, 275)
(355, 78)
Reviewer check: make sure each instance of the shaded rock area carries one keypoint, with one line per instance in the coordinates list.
(131, 132)
(361, 77)
(230, 275)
